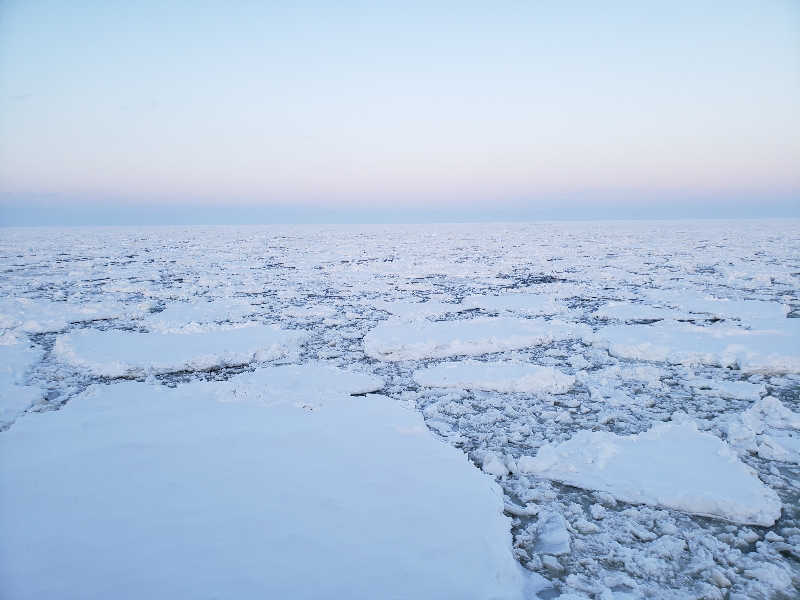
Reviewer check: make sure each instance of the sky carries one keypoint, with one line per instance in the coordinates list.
(213, 112)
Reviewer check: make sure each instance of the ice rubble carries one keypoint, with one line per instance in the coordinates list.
(768, 429)
(115, 353)
(626, 311)
(774, 348)
(497, 376)
(135, 490)
(673, 465)
(396, 340)
(15, 395)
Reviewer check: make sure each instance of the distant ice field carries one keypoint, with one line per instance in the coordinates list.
(543, 410)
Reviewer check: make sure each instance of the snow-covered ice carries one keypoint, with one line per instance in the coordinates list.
(115, 353)
(38, 316)
(135, 491)
(197, 315)
(497, 376)
(673, 465)
(768, 429)
(397, 340)
(519, 303)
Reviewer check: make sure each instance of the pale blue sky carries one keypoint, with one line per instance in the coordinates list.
(134, 111)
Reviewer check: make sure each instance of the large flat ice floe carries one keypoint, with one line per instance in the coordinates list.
(116, 353)
(673, 465)
(397, 340)
(137, 490)
(772, 348)
(496, 376)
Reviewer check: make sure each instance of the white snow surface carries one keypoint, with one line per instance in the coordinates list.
(115, 353)
(397, 340)
(137, 491)
(497, 376)
(772, 349)
(672, 465)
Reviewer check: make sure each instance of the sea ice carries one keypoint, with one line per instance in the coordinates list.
(673, 465)
(412, 311)
(497, 376)
(15, 395)
(626, 311)
(39, 316)
(396, 340)
(693, 303)
(304, 385)
(739, 390)
(772, 349)
(768, 429)
(184, 316)
(116, 353)
(137, 490)
(520, 303)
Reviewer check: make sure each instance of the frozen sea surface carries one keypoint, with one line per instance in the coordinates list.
(342, 411)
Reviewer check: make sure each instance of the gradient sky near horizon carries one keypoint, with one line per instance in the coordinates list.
(112, 109)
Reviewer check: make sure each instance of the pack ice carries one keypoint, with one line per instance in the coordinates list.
(135, 490)
(672, 465)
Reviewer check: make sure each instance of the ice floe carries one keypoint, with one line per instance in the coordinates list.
(694, 304)
(187, 316)
(115, 353)
(304, 385)
(626, 311)
(673, 465)
(39, 316)
(520, 303)
(772, 349)
(497, 376)
(138, 491)
(396, 340)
